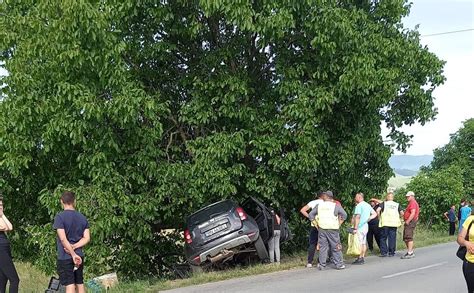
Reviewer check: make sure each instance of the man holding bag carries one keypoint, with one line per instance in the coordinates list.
(362, 215)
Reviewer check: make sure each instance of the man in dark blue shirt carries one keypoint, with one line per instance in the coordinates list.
(73, 234)
(451, 217)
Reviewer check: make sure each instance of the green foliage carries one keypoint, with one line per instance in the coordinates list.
(448, 178)
(436, 192)
(150, 110)
(460, 152)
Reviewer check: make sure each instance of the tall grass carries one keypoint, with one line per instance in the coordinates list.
(31, 279)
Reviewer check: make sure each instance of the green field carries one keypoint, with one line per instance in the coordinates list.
(399, 181)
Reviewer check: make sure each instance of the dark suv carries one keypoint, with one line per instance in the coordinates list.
(224, 230)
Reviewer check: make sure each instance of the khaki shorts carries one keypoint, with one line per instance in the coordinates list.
(362, 234)
(409, 231)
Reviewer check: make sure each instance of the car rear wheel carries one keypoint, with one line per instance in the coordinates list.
(196, 269)
(261, 250)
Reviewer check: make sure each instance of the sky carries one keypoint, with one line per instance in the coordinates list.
(455, 98)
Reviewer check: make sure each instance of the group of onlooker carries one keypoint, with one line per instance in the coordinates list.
(377, 219)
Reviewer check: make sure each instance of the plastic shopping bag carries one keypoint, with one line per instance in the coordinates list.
(353, 245)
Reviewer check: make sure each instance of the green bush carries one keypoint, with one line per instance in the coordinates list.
(436, 192)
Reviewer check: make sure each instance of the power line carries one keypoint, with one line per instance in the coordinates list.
(450, 32)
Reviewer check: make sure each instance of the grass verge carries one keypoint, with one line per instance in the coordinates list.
(33, 280)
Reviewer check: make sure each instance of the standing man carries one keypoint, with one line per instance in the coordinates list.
(313, 232)
(465, 213)
(72, 235)
(362, 215)
(451, 217)
(374, 230)
(461, 204)
(411, 218)
(389, 213)
(329, 216)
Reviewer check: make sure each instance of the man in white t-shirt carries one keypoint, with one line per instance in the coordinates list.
(313, 232)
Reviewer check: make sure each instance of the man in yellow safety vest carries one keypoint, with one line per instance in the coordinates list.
(329, 217)
(389, 213)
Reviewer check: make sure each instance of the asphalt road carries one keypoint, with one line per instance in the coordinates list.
(434, 269)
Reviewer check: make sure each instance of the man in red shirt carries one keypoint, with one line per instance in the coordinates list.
(411, 218)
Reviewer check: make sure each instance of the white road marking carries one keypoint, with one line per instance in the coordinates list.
(415, 270)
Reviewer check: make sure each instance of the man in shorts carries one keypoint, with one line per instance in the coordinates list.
(72, 235)
(411, 218)
(362, 215)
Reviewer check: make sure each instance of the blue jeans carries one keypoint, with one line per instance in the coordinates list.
(389, 234)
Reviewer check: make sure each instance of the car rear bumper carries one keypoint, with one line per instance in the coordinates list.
(234, 242)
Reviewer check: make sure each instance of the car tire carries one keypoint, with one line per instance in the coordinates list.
(262, 251)
(196, 269)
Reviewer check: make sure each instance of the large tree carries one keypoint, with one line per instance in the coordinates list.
(459, 152)
(150, 109)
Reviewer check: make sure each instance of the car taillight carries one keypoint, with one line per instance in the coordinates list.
(197, 259)
(187, 237)
(242, 215)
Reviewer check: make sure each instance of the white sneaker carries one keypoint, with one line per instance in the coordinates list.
(309, 265)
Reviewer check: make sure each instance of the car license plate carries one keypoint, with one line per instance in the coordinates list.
(215, 230)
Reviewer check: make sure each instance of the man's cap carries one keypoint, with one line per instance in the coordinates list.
(410, 193)
(329, 193)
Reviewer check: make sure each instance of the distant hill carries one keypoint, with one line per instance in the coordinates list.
(405, 172)
(408, 165)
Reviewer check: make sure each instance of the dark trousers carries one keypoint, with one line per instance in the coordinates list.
(7, 270)
(388, 240)
(313, 241)
(374, 232)
(468, 271)
(452, 228)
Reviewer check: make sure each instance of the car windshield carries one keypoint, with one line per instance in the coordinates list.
(210, 212)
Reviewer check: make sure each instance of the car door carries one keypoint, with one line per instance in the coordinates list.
(262, 216)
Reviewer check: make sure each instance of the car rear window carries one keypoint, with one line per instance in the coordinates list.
(210, 212)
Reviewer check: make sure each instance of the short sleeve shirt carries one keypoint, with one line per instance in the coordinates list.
(465, 212)
(364, 210)
(74, 224)
(312, 204)
(412, 205)
(451, 215)
(469, 256)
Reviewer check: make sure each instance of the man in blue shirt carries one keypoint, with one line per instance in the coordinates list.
(465, 213)
(362, 215)
(72, 235)
(451, 217)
